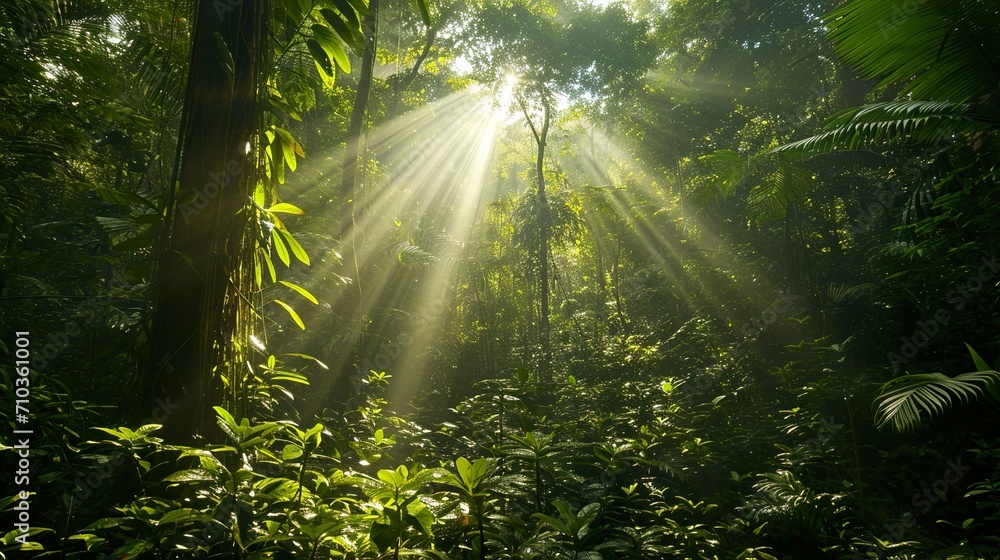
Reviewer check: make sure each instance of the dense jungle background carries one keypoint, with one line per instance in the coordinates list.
(500, 279)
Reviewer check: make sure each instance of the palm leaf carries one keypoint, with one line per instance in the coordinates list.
(940, 49)
(770, 198)
(725, 169)
(917, 121)
(905, 400)
(778, 181)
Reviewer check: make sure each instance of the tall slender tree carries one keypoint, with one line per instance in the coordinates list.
(543, 51)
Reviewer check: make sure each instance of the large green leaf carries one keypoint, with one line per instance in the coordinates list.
(348, 33)
(905, 400)
(330, 43)
(893, 121)
(939, 49)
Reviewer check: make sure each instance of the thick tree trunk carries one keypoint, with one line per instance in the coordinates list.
(197, 306)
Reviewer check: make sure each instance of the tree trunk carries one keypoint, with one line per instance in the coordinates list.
(543, 250)
(348, 308)
(400, 83)
(201, 258)
(348, 177)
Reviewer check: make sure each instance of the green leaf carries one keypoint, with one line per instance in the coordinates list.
(270, 265)
(330, 43)
(339, 24)
(258, 194)
(190, 475)
(992, 387)
(904, 400)
(464, 469)
(287, 138)
(277, 152)
(287, 151)
(302, 291)
(291, 377)
(181, 515)
(297, 249)
(122, 197)
(112, 431)
(324, 61)
(981, 364)
(894, 121)
(935, 49)
(291, 451)
(425, 13)
(305, 6)
(307, 357)
(350, 10)
(225, 55)
(88, 539)
(291, 313)
(286, 208)
(281, 107)
(225, 415)
(279, 247)
(293, 10)
(384, 535)
(417, 511)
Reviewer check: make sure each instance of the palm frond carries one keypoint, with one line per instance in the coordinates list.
(413, 256)
(778, 181)
(917, 121)
(788, 183)
(940, 49)
(725, 169)
(905, 400)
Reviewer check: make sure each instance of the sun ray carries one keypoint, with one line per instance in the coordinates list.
(433, 178)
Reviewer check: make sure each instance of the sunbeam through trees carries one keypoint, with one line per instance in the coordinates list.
(500, 279)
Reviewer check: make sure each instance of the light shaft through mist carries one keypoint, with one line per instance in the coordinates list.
(433, 170)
